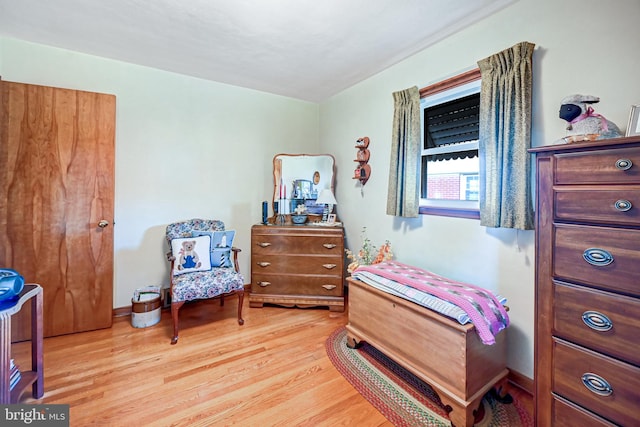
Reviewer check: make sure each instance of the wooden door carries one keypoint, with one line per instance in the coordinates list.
(56, 185)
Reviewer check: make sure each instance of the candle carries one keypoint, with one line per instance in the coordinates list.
(265, 211)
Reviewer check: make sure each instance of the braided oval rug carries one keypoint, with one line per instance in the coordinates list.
(404, 399)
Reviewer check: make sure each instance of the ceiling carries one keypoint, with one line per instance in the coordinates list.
(304, 49)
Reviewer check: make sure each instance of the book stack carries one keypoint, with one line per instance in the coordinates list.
(14, 376)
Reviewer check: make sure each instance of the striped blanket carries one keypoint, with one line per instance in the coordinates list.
(461, 301)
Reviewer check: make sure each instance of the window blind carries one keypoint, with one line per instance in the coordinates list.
(451, 123)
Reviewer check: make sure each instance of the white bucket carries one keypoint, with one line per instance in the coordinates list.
(145, 311)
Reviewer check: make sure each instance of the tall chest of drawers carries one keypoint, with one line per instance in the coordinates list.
(587, 332)
(299, 266)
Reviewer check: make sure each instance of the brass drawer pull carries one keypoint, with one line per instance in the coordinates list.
(329, 245)
(329, 266)
(264, 244)
(264, 284)
(596, 384)
(624, 164)
(263, 264)
(597, 321)
(623, 205)
(329, 287)
(597, 257)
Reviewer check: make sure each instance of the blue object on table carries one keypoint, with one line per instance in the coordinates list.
(299, 219)
(265, 212)
(11, 284)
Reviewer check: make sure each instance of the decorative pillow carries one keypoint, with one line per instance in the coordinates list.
(191, 254)
(221, 243)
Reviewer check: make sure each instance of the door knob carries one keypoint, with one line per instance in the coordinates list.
(103, 223)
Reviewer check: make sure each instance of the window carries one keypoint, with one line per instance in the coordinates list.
(471, 186)
(449, 173)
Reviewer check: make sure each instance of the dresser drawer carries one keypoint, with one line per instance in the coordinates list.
(618, 205)
(613, 254)
(296, 285)
(297, 264)
(287, 244)
(566, 414)
(598, 167)
(599, 320)
(603, 385)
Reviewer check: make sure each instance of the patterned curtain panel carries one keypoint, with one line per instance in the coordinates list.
(505, 135)
(404, 185)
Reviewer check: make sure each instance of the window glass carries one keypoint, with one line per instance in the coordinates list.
(450, 148)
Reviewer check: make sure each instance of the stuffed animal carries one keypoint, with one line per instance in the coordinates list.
(583, 124)
(188, 256)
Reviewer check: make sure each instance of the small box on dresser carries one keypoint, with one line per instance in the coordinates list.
(587, 351)
(297, 265)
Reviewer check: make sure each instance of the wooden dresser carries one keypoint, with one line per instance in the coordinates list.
(297, 265)
(587, 334)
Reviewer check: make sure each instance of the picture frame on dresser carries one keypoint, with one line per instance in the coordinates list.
(633, 127)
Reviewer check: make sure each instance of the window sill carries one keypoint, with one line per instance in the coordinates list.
(450, 212)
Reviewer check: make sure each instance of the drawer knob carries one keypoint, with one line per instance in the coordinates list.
(329, 287)
(263, 264)
(623, 205)
(624, 164)
(596, 384)
(329, 245)
(264, 244)
(597, 257)
(264, 284)
(329, 266)
(597, 321)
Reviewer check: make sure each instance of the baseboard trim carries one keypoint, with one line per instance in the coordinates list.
(126, 311)
(521, 381)
(122, 311)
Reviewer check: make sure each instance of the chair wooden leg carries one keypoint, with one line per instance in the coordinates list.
(175, 306)
(240, 302)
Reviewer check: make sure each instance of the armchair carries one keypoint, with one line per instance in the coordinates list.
(194, 273)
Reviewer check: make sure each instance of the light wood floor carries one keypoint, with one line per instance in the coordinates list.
(273, 371)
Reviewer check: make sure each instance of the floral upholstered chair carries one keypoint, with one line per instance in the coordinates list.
(204, 265)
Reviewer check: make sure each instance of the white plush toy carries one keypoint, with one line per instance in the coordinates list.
(583, 124)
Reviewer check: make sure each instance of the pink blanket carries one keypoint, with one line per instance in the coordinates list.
(486, 313)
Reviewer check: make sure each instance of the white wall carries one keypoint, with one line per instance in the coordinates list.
(582, 46)
(185, 148)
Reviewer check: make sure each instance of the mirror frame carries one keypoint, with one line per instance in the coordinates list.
(277, 172)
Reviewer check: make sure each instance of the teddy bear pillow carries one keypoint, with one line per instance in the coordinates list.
(191, 254)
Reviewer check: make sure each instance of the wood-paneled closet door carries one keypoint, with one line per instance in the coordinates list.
(56, 186)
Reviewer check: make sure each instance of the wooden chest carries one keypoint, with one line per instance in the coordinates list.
(449, 356)
(587, 352)
(299, 266)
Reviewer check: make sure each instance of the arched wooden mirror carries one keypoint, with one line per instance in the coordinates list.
(299, 178)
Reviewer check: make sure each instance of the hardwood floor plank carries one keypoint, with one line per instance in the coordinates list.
(272, 371)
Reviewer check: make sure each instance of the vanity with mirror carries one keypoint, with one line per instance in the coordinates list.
(299, 179)
(298, 265)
